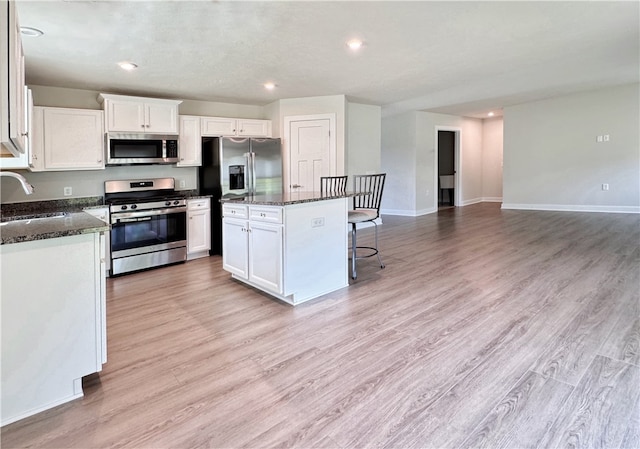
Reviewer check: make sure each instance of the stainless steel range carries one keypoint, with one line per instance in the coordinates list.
(148, 224)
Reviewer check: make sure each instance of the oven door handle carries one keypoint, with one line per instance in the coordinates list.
(133, 220)
(121, 216)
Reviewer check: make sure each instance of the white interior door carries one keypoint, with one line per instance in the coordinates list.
(309, 153)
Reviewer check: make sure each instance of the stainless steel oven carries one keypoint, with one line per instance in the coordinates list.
(148, 224)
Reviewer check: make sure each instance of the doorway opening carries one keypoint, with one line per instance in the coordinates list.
(447, 163)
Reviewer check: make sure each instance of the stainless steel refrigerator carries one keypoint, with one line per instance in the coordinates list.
(237, 167)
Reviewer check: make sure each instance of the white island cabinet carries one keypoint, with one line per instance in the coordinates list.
(294, 248)
(53, 321)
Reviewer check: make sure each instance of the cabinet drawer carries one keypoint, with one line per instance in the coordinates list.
(198, 204)
(266, 214)
(234, 211)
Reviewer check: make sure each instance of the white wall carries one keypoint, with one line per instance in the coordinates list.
(470, 163)
(553, 161)
(363, 139)
(88, 99)
(50, 185)
(398, 161)
(310, 106)
(408, 152)
(492, 138)
(272, 112)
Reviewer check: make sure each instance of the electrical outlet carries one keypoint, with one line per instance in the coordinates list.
(599, 139)
(605, 137)
(182, 184)
(317, 222)
(68, 191)
(605, 186)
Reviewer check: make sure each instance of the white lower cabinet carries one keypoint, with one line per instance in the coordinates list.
(53, 324)
(294, 252)
(253, 250)
(198, 228)
(103, 214)
(235, 246)
(265, 255)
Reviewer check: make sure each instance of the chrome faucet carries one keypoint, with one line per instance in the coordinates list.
(28, 188)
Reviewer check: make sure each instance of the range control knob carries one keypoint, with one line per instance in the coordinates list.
(123, 207)
(176, 202)
(133, 206)
(167, 203)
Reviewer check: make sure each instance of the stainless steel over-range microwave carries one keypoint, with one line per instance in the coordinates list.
(127, 149)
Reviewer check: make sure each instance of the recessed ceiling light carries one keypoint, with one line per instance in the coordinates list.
(127, 65)
(490, 114)
(355, 44)
(269, 86)
(28, 31)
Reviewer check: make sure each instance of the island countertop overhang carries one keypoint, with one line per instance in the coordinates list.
(287, 198)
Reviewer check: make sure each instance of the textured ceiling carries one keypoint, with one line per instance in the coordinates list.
(454, 57)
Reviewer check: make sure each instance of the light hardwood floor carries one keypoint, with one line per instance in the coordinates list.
(487, 328)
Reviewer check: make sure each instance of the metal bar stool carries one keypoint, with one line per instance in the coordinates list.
(333, 184)
(366, 208)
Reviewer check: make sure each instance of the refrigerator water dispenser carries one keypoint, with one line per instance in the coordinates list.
(236, 177)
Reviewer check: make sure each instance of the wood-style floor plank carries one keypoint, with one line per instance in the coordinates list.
(523, 416)
(601, 408)
(434, 351)
(623, 342)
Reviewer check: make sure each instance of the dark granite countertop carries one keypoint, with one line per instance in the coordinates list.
(285, 199)
(39, 220)
(62, 225)
(197, 196)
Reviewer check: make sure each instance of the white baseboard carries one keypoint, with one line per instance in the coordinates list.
(471, 201)
(407, 213)
(574, 208)
(417, 213)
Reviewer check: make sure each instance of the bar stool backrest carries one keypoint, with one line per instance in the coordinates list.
(374, 185)
(333, 184)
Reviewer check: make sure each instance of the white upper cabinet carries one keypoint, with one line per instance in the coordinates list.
(23, 160)
(13, 127)
(232, 127)
(190, 142)
(67, 139)
(218, 126)
(140, 115)
(254, 128)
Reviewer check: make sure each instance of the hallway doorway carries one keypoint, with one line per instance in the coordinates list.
(447, 163)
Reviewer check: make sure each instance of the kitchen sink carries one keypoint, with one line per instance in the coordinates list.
(30, 217)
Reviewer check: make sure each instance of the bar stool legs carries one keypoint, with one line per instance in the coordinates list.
(354, 248)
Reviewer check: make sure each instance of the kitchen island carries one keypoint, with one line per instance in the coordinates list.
(53, 326)
(292, 246)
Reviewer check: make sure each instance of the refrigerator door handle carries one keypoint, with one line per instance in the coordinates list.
(253, 173)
